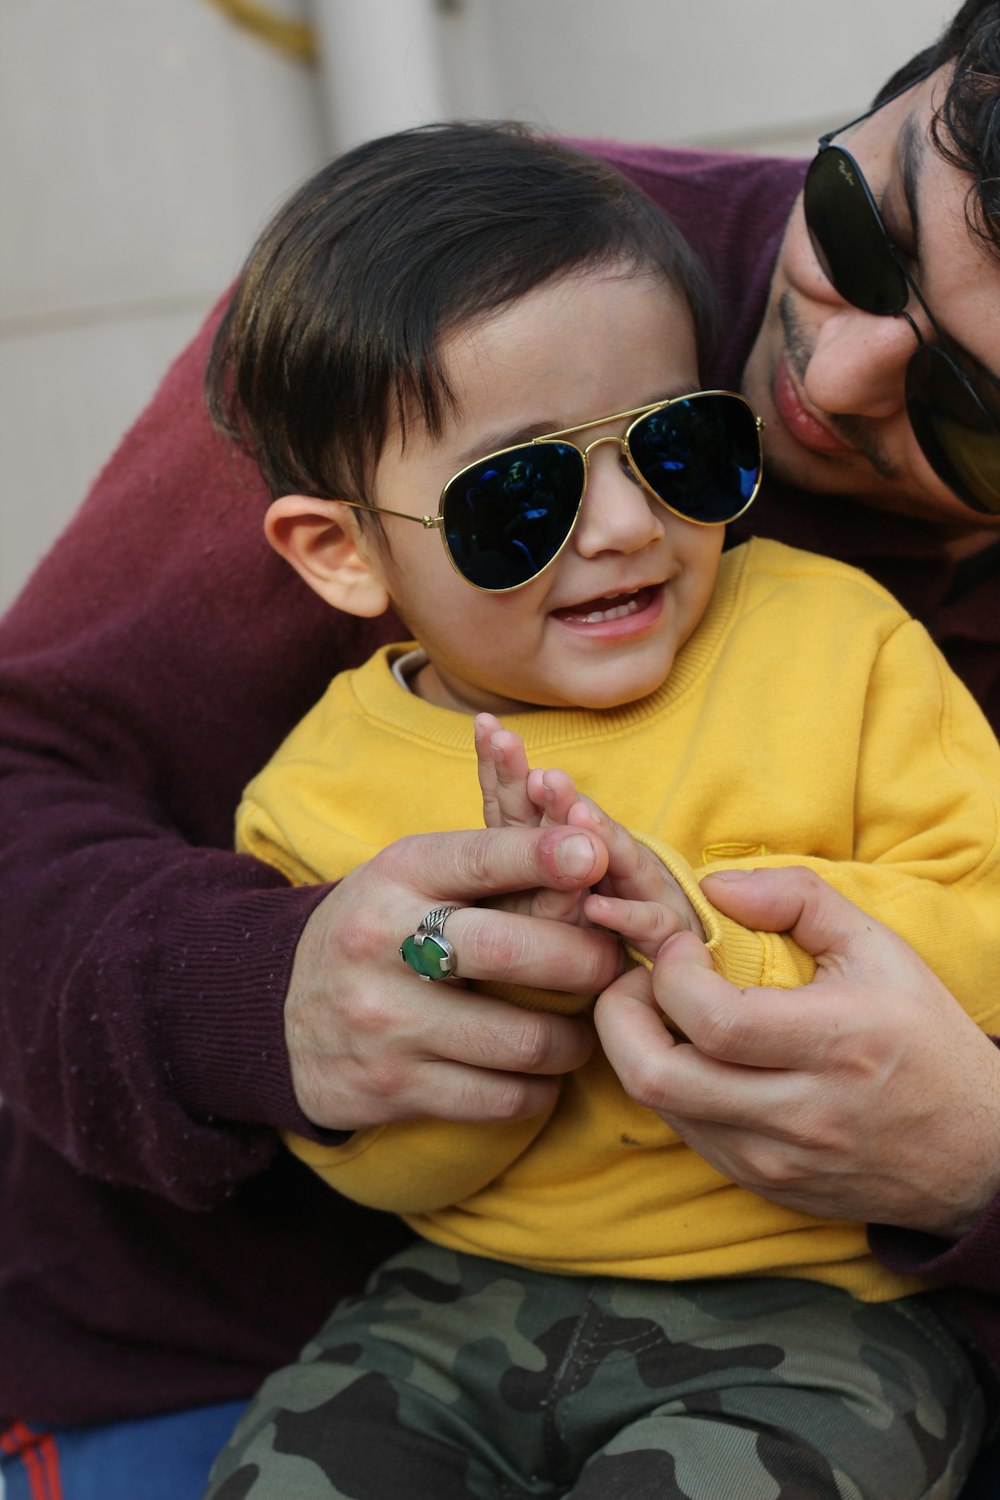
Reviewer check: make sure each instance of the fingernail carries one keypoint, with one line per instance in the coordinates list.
(731, 875)
(574, 856)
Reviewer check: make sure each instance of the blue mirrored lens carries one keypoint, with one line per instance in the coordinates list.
(506, 517)
(701, 455)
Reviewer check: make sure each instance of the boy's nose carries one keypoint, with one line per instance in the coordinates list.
(858, 364)
(617, 513)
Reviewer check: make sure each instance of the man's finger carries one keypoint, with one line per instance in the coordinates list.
(630, 1026)
(467, 866)
(673, 1078)
(793, 900)
(460, 1092)
(756, 1027)
(515, 949)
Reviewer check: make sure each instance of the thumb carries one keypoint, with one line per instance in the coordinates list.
(793, 900)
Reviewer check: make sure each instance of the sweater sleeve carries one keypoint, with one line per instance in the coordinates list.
(926, 843)
(156, 657)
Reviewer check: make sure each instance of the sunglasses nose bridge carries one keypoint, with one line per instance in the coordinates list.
(913, 326)
(610, 438)
(620, 442)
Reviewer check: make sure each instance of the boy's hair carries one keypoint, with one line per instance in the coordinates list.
(966, 126)
(335, 326)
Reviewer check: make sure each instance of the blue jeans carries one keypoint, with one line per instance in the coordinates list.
(157, 1458)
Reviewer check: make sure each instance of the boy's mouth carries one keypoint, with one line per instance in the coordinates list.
(608, 607)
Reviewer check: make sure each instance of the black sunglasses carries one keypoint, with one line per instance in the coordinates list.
(506, 517)
(953, 403)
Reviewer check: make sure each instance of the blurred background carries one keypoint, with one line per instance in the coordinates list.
(143, 145)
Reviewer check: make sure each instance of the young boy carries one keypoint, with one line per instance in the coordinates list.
(595, 1310)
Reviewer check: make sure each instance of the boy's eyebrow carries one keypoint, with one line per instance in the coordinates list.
(495, 442)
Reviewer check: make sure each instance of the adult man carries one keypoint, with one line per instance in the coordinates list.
(169, 1004)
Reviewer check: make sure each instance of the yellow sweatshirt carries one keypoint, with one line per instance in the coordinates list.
(808, 720)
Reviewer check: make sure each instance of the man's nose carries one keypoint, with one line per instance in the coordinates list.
(858, 364)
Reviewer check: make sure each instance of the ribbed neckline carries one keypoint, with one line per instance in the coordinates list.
(381, 698)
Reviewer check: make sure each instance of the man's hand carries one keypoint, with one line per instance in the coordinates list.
(868, 1094)
(370, 1042)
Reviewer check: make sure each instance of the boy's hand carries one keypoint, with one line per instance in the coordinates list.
(515, 796)
(638, 897)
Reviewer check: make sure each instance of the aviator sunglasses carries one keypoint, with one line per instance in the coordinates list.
(952, 401)
(506, 517)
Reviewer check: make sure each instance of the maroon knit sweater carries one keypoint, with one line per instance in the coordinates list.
(157, 1249)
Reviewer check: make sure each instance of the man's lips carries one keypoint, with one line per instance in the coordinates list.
(803, 426)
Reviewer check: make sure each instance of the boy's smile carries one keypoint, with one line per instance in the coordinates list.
(601, 626)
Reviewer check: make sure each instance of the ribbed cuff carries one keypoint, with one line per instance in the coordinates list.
(221, 1014)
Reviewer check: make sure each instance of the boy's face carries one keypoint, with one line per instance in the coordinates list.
(603, 624)
(829, 379)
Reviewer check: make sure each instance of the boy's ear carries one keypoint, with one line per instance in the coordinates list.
(323, 542)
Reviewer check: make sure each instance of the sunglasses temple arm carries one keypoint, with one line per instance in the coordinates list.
(872, 109)
(429, 523)
(945, 346)
(939, 333)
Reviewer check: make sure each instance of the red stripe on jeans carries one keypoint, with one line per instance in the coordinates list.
(40, 1456)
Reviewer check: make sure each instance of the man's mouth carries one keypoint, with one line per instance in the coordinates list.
(607, 607)
(836, 435)
(802, 425)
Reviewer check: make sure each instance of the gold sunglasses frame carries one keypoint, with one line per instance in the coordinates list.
(436, 522)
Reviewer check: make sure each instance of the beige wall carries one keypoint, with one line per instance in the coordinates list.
(142, 144)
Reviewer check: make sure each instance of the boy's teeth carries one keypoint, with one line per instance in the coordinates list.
(612, 609)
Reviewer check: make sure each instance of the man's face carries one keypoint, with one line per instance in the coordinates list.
(828, 379)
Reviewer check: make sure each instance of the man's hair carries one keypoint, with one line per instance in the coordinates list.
(335, 326)
(966, 126)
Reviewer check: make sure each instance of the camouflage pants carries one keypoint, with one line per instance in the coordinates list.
(458, 1377)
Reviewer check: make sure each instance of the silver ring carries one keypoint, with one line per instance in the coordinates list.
(427, 951)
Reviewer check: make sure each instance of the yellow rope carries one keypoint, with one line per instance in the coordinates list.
(293, 37)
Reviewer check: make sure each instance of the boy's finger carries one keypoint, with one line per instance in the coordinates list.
(644, 924)
(551, 906)
(510, 763)
(635, 873)
(556, 792)
(483, 726)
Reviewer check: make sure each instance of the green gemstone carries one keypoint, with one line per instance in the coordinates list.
(429, 959)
